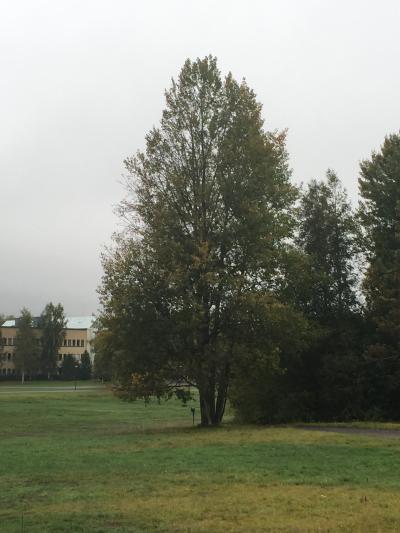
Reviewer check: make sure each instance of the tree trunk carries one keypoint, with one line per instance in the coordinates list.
(207, 406)
(213, 399)
(220, 404)
(212, 409)
(22, 378)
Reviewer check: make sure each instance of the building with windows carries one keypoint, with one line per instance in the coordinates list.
(78, 338)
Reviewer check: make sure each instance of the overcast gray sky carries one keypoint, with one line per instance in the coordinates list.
(81, 82)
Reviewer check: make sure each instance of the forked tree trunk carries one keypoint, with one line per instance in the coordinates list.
(207, 407)
(213, 397)
(221, 402)
(212, 407)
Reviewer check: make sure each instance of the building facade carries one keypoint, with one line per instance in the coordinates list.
(78, 338)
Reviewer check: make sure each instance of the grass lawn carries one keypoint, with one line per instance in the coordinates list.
(85, 461)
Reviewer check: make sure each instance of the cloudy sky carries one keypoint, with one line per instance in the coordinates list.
(81, 82)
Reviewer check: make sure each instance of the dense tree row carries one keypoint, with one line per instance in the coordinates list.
(229, 278)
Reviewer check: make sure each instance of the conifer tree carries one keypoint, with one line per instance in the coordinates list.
(85, 366)
(52, 323)
(328, 234)
(26, 356)
(380, 214)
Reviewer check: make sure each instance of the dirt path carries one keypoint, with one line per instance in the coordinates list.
(380, 433)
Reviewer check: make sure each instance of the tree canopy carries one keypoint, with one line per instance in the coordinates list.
(53, 323)
(328, 234)
(228, 278)
(316, 326)
(208, 211)
(380, 214)
(26, 356)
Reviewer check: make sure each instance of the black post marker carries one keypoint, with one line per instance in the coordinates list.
(193, 411)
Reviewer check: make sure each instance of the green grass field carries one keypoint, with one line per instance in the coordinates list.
(84, 461)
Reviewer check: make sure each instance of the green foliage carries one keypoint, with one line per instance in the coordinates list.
(218, 281)
(317, 325)
(52, 323)
(208, 211)
(328, 233)
(26, 355)
(85, 366)
(273, 336)
(380, 213)
(69, 368)
(104, 348)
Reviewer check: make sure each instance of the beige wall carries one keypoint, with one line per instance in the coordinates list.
(76, 341)
(7, 367)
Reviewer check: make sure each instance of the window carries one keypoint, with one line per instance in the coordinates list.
(4, 341)
(8, 357)
(9, 342)
(69, 342)
(4, 370)
(59, 357)
(73, 342)
(82, 342)
(65, 342)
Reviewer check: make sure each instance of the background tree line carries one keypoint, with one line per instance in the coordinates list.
(228, 277)
(37, 342)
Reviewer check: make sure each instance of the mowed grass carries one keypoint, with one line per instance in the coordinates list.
(85, 461)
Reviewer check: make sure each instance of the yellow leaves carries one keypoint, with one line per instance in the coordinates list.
(137, 380)
(201, 258)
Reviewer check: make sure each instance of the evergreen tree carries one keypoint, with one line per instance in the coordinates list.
(380, 214)
(53, 323)
(208, 211)
(85, 367)
(320, 279)
(104, 353)
(328, 235)
(26, 356)
(69, 369)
